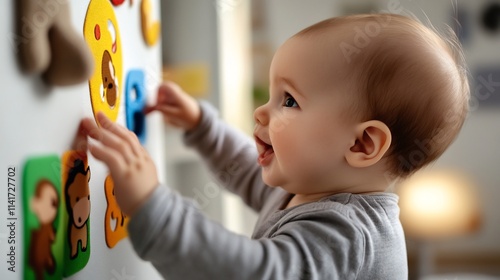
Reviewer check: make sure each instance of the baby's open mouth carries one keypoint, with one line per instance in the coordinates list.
(265, 150)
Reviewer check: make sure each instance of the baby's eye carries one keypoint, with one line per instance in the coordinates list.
(289, 101)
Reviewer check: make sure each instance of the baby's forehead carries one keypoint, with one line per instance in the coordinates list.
(351, 43)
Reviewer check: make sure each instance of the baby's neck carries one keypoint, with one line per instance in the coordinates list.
(298, 199)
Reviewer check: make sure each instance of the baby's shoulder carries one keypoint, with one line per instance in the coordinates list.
(356, 210)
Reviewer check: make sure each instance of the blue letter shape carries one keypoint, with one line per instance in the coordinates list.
(135, 101)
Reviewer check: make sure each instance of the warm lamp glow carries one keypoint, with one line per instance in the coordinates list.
(438, 204)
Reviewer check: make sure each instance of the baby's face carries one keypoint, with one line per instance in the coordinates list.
(302, 132)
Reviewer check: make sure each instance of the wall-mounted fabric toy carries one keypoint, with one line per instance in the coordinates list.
(115, 222)
(135, 101)
(49, 44)
(103, 35)
(75, 178)
(150, 27)
(43, 226)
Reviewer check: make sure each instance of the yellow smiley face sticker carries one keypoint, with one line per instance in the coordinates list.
(102, 34)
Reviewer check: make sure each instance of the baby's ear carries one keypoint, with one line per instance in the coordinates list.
(373, 139)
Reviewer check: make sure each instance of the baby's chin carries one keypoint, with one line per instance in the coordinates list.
(269, 181)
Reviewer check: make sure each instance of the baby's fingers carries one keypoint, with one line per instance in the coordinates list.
(168, 93)
(90, 128)
(110, 157)
(122, 132)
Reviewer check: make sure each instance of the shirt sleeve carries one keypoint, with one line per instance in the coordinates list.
(181, 243)
(230, 155)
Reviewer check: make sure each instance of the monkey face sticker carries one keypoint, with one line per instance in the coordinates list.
(43, 235)
(102, 34)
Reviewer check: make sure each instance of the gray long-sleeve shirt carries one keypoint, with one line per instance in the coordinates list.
(344, 236)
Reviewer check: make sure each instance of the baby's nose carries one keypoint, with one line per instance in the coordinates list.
(261, 115)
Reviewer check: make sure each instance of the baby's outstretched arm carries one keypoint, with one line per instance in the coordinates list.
(130, 165)
(230, 154)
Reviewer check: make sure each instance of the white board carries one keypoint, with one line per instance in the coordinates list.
(39, 120)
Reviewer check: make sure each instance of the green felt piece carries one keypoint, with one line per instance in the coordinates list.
(43, 216)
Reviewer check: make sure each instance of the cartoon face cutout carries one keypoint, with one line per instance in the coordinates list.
(43, 226)
(44, 205)
(76, 176)
(108, 80)
(102, 34)
(45, 202)
(78, 206)
(115, 222)
(78, 194)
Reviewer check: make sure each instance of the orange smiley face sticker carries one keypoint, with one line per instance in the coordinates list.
(102, 34)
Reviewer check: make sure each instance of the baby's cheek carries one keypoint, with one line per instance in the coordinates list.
(288, 152)
(283, 120)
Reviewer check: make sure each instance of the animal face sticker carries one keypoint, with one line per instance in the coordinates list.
(44, 205)
(76, 177)
(115, 222)
(108, 79)
(102, 34)
(43, 220)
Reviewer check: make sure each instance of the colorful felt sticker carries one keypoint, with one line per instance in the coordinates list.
(115, 222)
(43, 218)
(103, 36)
(150, 27)
(75, 178)
(135, 101)
(117, 2)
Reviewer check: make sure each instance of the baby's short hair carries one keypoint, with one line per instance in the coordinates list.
(407, 76)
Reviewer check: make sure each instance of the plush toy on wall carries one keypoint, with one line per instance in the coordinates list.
(48, 44)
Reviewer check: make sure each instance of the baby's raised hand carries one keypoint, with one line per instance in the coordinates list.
(178, 108)
(131, 167)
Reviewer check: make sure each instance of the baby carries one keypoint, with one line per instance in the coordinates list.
(356, 103)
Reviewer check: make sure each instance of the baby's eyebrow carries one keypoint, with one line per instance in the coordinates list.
(292, 85)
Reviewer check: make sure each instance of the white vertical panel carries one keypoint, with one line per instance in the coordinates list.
(39, 120)
(235, 80)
